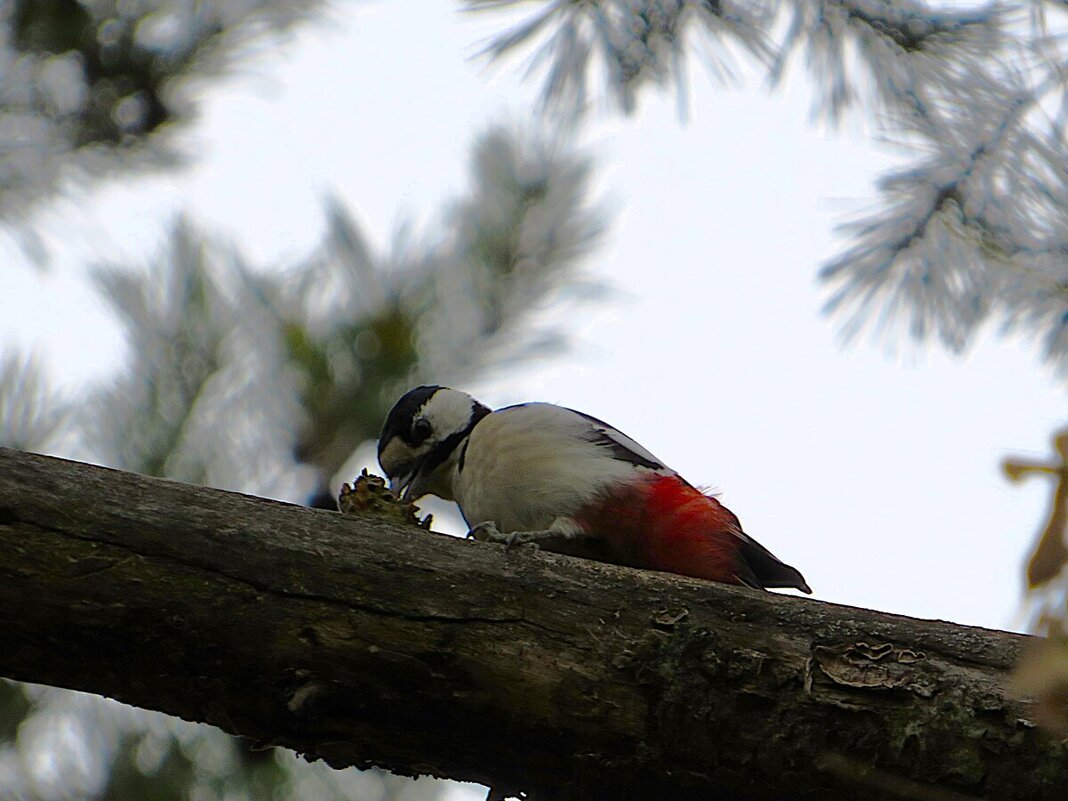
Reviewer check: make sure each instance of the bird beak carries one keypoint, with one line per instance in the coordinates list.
(407, 483)
(401, 486)
(401, 465)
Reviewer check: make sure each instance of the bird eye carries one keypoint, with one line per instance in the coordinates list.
(421, 429)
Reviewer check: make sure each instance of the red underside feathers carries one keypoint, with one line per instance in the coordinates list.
(663, 523)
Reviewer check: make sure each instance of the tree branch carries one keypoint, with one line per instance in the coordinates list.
(368, 644)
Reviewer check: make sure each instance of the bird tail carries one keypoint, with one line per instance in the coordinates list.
(768, 570)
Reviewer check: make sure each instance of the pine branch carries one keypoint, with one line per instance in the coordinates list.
(973, 229)
(367, 644)
(204, 397)
(93, 88)
(32, 414)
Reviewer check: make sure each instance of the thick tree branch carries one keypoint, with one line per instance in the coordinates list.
(368, 644)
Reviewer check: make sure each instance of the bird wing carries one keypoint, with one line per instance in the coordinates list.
(618, 444)
(569, 425)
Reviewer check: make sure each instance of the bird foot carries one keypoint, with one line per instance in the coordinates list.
(562, 537)
(488, 532)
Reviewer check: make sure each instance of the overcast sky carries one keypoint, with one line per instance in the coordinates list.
(875, 473)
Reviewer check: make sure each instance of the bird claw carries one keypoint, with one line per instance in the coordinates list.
(521, 538)
(488, 532)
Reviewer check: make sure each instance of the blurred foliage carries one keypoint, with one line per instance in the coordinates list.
(116, 71)
(635, 44)
(51, 26)
(15, 706)
(1043, 669)
(1043, 675)
(31, 413)
(203, 398)
(67, 745)
(1051, 553)
(88, 86)
(973, 228)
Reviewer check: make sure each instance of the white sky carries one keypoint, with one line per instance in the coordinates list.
(876, 476)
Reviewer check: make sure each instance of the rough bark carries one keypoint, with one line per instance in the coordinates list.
(370, 644)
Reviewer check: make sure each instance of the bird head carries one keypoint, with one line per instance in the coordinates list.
(422, 432)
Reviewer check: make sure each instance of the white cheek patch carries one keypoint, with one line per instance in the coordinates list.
(448, 411)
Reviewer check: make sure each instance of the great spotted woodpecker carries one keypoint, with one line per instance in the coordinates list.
(546, 474)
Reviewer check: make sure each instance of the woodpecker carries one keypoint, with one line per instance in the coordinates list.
(540, 473)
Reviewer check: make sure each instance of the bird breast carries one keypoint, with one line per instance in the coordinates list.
(526, 466)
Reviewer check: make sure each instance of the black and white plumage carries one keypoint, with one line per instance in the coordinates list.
(546, 471)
